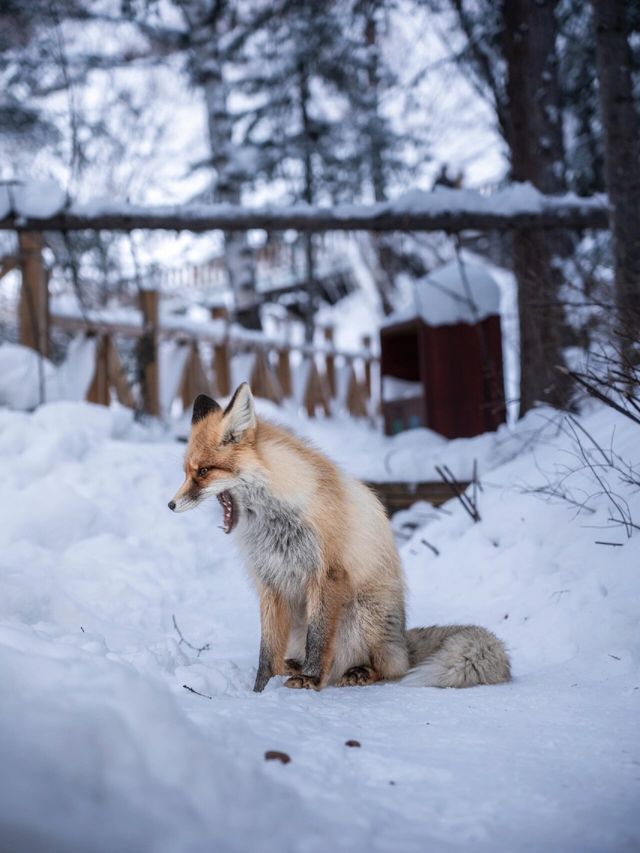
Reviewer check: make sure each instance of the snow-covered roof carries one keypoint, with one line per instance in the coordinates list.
(458, 292)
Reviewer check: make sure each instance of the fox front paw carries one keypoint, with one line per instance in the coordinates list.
(303, 682)
(292, 667)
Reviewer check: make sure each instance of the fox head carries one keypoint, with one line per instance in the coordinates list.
(220, 445)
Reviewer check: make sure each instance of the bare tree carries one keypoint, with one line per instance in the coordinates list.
(622, 158)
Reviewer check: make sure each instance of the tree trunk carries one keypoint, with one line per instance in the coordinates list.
(207, 28)
(382, 245)
(622, 160)
(537, 155)
(313, 296)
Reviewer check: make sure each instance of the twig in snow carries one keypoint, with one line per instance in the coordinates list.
(613, 544)
(621, 521)
(198, 649)
(598, 470)
(593, 391)
(432, 547)
(447, 477)
(197, 692)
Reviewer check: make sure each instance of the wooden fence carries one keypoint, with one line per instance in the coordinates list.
(272, 371)
(321, 378)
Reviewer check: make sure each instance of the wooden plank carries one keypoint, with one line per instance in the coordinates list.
(194, 377)
(263, 381)
(33, 308)
(89, 326)
(8, 263)
(366, 343)
(399, 495)
(219, 312)
(329, 361)
(98, 391)
(148, 352)
(315, 393)
(96, 326)
(117, 378)
(284, 371)
(222, 368)
(356, 398)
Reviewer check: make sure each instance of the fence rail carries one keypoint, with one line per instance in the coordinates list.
(514, 207)
(575, 215)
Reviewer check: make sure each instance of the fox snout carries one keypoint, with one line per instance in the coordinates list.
(187, 497)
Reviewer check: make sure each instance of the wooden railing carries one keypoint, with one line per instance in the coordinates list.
(320, 378)
(275, 362)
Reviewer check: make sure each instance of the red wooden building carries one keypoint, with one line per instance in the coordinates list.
(441, 360)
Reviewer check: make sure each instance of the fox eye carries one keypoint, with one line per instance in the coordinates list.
(202, 472)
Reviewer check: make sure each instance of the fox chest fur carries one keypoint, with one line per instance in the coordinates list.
(279, 546)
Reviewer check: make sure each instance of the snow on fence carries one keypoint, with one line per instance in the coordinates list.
(27, 208)
(181, 358)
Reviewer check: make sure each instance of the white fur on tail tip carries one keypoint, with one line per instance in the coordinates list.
(468, 656)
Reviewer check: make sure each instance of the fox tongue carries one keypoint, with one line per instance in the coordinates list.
(226, 501)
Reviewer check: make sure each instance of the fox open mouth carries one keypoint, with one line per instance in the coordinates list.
(229, 511)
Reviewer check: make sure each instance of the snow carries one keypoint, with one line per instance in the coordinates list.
(22, 373)
(172, 358)
(102, 748)
(460, 291)
(35, 198)
(352, 317)
(400, 389)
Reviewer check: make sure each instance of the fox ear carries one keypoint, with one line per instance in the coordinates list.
(239, 415)
(202, 406)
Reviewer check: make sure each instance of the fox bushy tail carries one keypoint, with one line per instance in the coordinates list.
(455, 656)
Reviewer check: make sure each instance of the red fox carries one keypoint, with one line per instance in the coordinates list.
(321, 553)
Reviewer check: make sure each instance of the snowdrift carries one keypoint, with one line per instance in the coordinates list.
(103, 748)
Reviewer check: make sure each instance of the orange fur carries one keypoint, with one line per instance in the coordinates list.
(318, 545)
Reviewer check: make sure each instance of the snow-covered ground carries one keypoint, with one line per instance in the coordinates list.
(103, 749)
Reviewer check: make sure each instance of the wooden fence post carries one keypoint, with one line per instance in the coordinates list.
(315, 392)
(116, 376)
(263, 381)
(366, 343)
(329, 360)
(356, 400)
(222, 355)
(148, 352)
(99, 388)
(34, 295)
(194, 379)
(283, 371)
